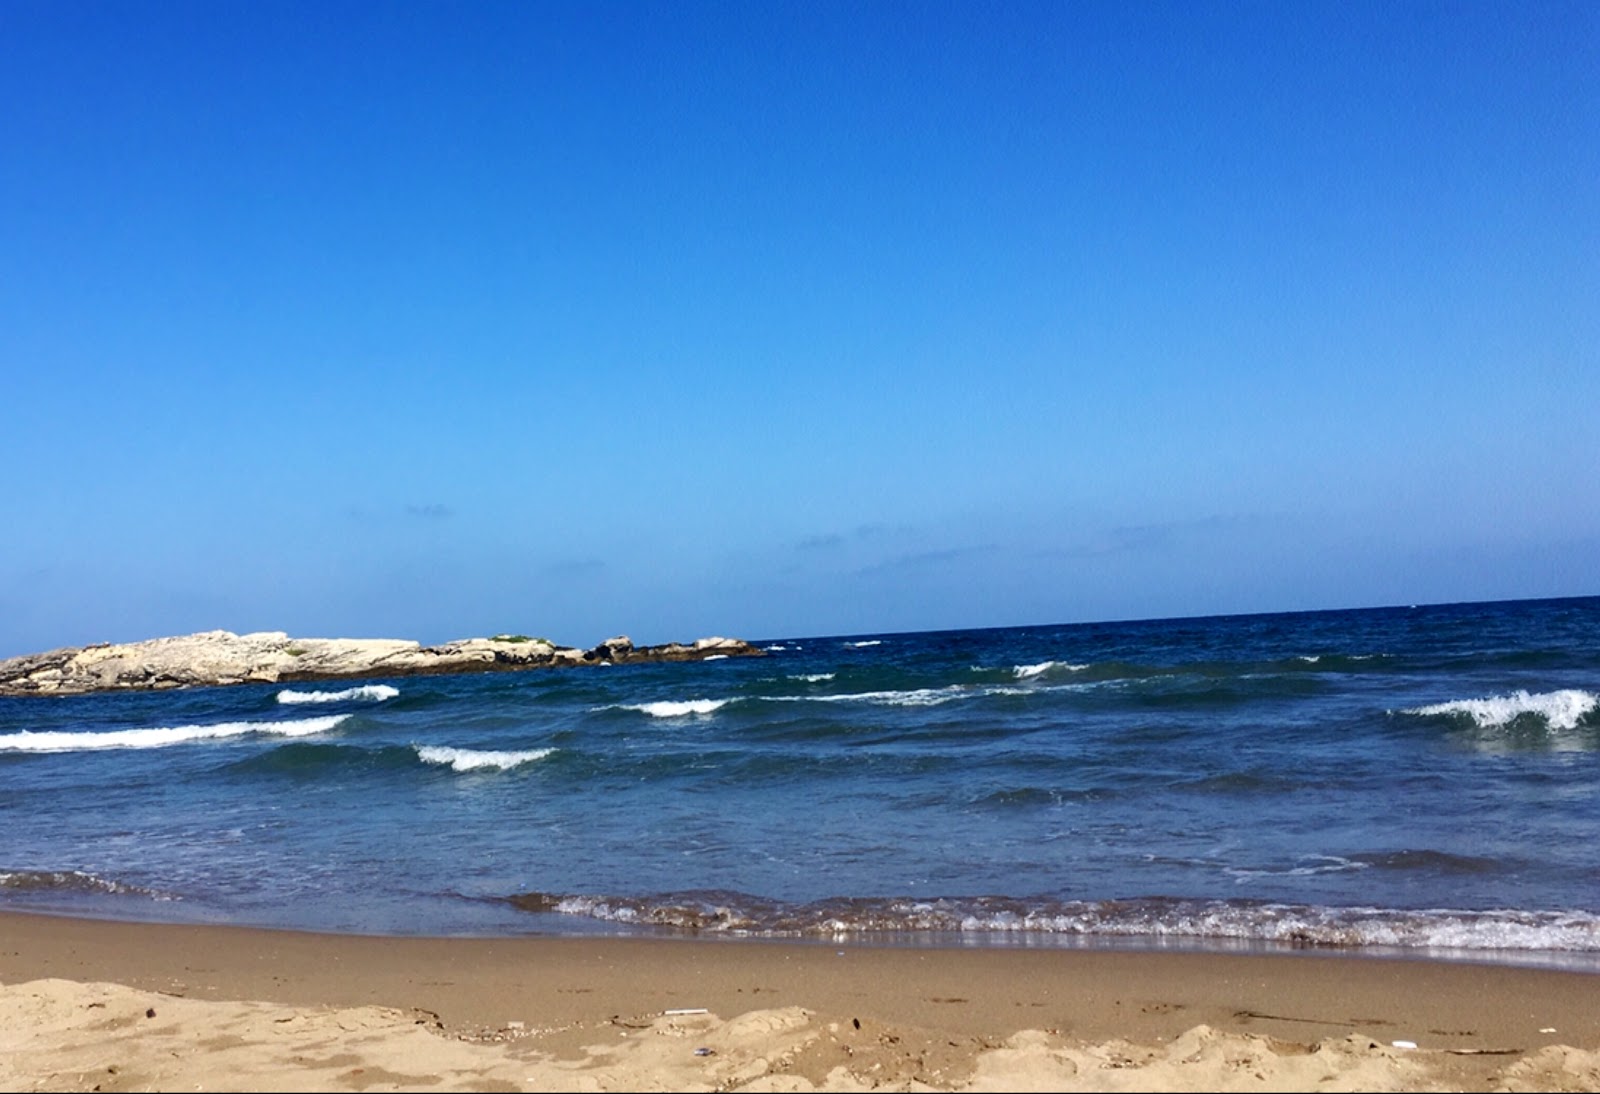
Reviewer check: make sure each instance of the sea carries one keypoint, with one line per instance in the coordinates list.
(1406, 781)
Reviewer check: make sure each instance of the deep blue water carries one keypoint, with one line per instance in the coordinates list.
(1424, 778)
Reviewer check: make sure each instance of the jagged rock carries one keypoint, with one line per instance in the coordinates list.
(219, 658)
(612, 649)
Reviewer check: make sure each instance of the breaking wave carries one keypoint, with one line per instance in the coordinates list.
(915, 697)
(906, 697)
(1307, 866)
(1564, 709)
(161, 736)
(1028, 672)
(1151, 919)
(468, 759)
(681, 709)
(68, 881)
(374, 693)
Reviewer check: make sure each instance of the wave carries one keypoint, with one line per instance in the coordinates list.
(161, 736)
(1305, 666)
(375, 693)
(1440, 862)
(915, 697)
(906, 697)
(1028, 672)
(302, 759)
(311, 759)
(69, 881)
(1564, 709)
(1243, 781)
(1026, 688)
(667, 708)
(1153, 919)
(468, 759)
(1307, 866)
(863, 645)
(1028, 797)
(927, 697)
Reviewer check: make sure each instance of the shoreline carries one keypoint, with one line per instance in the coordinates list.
(572, 1002)
(580, 928)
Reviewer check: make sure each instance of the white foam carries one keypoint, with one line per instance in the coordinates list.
(1309, 866)
(375, 693)
(1445, 932)
(813, 677)
(669, 709)
(1560, 709)
(470, 759)
(161, 736)
(1027, 672)
(928, 697)
(921, 697)
(918, 697)
(864, 645)
(716, 657)
(73, 881)
(776, 649)
(689, 913)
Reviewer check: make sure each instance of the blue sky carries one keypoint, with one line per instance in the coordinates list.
(430, 320)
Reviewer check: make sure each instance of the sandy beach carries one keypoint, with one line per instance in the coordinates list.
(88, 1005)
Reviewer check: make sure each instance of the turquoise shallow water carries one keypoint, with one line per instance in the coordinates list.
(1417, 780)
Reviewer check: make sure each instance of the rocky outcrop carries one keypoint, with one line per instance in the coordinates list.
(217, 658)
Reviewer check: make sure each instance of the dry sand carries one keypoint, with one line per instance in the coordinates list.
(114, 1006)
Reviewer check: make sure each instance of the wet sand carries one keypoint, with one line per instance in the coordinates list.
(90, 1005)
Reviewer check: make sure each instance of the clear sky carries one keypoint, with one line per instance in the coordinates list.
(772, 319)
